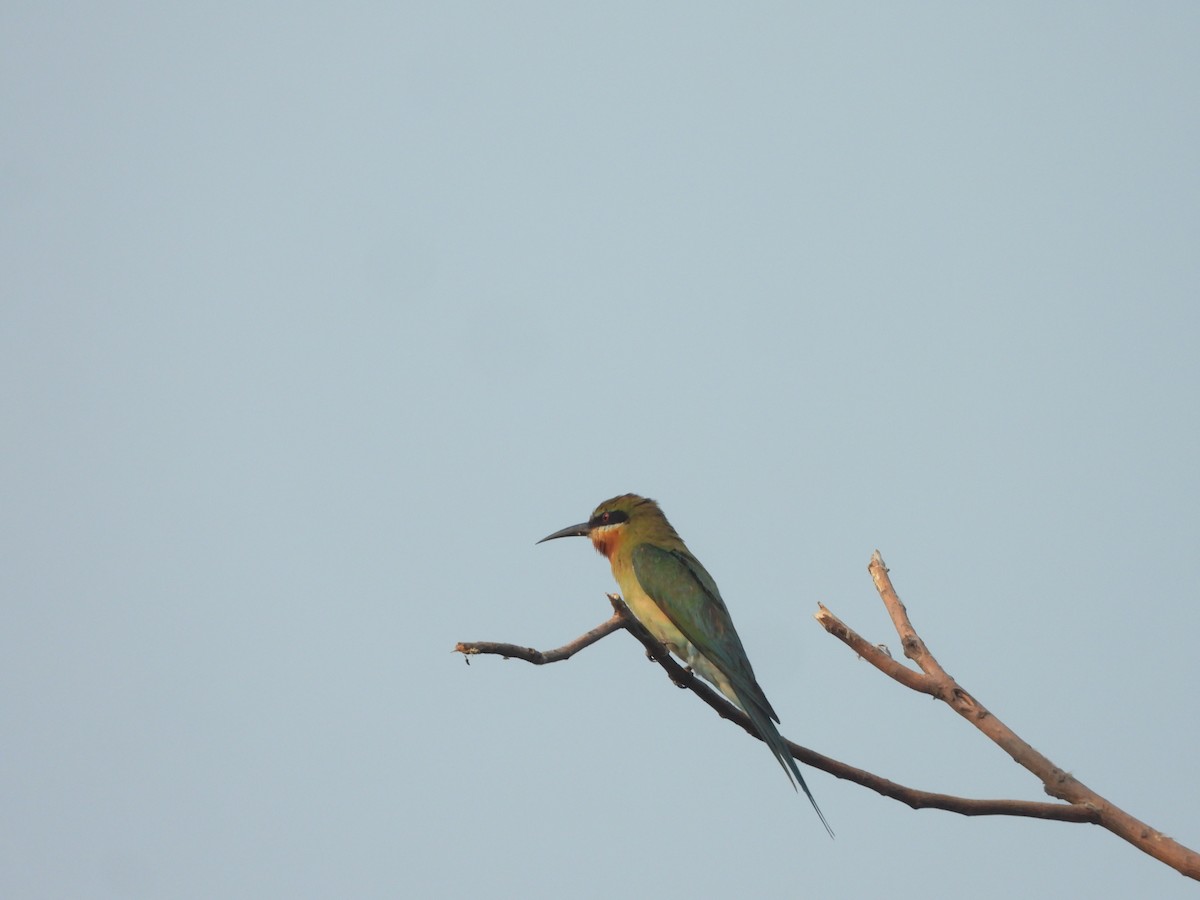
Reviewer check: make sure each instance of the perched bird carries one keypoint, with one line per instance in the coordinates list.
(678, 602)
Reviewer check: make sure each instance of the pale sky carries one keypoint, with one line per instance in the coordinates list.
(314, 320)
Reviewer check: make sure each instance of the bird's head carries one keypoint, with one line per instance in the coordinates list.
(614, 521)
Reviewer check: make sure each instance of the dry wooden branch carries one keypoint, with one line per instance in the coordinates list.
(935, 681)
(618, 620)
(1082, 804)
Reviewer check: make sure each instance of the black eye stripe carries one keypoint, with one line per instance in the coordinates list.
(611, 517)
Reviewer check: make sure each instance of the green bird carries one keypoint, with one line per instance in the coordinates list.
(678, 602)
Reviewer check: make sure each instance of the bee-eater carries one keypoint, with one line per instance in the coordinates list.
(678, 602)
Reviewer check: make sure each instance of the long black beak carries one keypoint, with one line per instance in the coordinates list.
(580, 530)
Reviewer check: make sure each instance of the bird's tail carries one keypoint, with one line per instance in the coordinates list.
(772, 738)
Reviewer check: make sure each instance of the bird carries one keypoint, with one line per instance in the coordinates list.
(675, 598)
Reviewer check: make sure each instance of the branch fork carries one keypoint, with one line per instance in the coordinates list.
(1080, 803)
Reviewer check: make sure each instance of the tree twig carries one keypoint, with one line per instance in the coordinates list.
(935, 681)
(618, 620)
(1082, 804)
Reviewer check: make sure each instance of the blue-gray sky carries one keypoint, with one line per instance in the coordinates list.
(314, 320)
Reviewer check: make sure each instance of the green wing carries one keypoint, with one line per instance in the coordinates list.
(680, 587)
(687, 594)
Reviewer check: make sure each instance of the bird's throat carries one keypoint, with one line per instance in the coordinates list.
(606, 540)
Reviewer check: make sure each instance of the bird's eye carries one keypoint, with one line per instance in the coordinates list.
(608, 517)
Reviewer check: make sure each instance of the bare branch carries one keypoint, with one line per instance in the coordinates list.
(872, 654)
(914, 647)
(1082, 804)
(917, 799)
(616, 622)
(935, 681)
